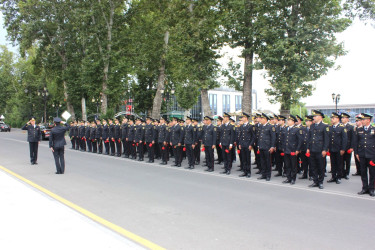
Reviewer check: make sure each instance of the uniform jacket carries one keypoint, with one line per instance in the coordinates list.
(176, 134)
(365, 142)
(131, 133)
(228, 134)
(57, 137)
(350, 134)
(92, 133)
(162, 133)
(318, 137)
(139, 133)
(124, 131)
(33, 134)
(293, 139)
(99, 132)
(338, 138)
(117, 130)
(105, 131)
(209, 136)
(247, 135)
(150, 133)
(267, 137)
(190, 134)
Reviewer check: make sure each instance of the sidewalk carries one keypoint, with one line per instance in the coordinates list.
(31, 220)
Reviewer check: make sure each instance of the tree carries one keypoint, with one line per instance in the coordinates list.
(244, 26)
(300, 46)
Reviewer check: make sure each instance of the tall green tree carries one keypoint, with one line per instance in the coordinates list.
(300, 46)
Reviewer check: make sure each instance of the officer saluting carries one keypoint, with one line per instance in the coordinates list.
(33, 137)
(209, 142)
(317, 148)
(365, 153)
(57, 143)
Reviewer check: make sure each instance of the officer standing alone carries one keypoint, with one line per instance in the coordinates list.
(33, 137)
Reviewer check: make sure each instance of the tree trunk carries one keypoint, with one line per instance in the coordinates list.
(285, 104)
(247, 95)
(84, 113)
(69, 105)
(156, 107)
(205, 103)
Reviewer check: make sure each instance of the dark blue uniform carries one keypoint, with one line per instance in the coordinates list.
(112, 139)
(87, 138)
(227, 139)
(106, 138)
(293, 141)
(190, 139)
(209, 140)
(57, 142)
(318, 142)
(218, 148)
(94, 141)
(364, 140)
(124, 135)
(266, 141)
(131, 141)
(246, 139)
(176, 138)
(163, 141)
(139, 139)
(34, 135)
(82, 138)
(150, 135)
(99, 138)
(338, 141)
(348, 154)
(279, 159)
(197, 149)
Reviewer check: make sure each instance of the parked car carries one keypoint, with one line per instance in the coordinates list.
(46, 131)
(4, 127)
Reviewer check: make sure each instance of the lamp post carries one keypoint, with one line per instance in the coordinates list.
(97, 101)
(336, 99)
(167, 96)
(44, 94)
(57, 106)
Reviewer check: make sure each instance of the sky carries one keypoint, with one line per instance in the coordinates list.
(354, 80)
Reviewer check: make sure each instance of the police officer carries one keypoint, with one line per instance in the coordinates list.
(365, 153)
(88, 136)
(358, 124)
(256, 143)
(197, 149)
(131, 139)
(218, 137)
(307, 170)
(71, 135)
(176, 140)
(150, 135)
(266, 144)
(34, 136)
(292, 147)
(246, 143)
(111, 135)
(92, 138)
(209, 142)
(349, 147)
(190, 138)
(139, 131)
(124, 135)
(57, 143)
(117, 137)
(156, 145)
(280, 137)
(105, 133)
(337, 145)
(99, 136)
(82, 136)
(163, 141)
(317, 148)
(227, 137)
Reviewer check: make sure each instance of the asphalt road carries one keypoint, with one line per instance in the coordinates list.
(192, 209)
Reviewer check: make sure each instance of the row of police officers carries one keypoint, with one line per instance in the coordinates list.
(283, 142)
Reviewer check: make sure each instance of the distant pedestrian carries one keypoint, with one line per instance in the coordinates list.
(34, 136)
(57, 143)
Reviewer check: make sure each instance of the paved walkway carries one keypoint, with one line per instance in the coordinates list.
(29, 219)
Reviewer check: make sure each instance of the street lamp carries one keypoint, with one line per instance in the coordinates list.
(57, 106)
(44, 94)
(336, 99)
(98, 101)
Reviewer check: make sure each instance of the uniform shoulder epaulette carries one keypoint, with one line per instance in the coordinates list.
(341, 125)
